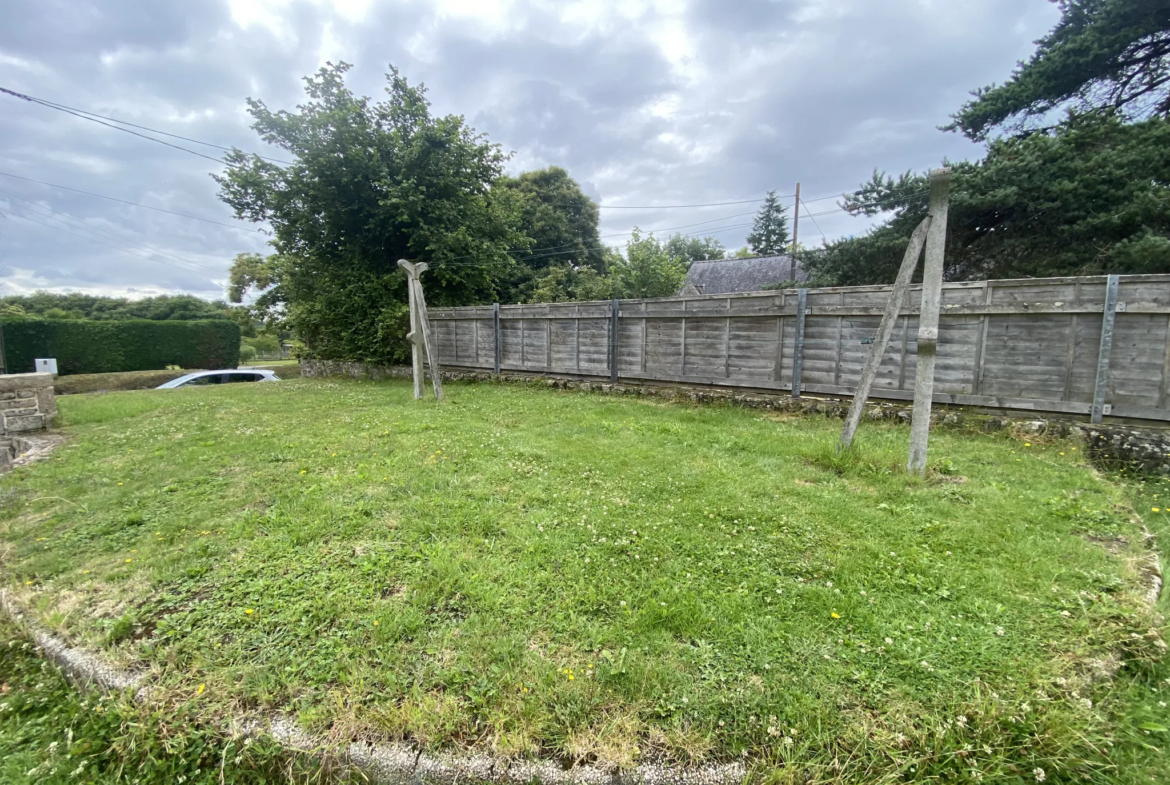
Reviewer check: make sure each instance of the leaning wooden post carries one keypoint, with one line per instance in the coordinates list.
(420, 331)
(932, 275)
(885, 330)
(432, 351)
(416, 362)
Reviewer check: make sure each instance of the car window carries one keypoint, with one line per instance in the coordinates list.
(242, 377)
(214, 378)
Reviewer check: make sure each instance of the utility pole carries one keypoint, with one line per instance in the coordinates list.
(795, 235)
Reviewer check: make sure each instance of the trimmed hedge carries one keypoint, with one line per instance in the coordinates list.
(88, 346)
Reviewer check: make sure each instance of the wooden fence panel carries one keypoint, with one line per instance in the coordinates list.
(1030, 344)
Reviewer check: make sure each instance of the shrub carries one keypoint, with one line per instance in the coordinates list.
(247, 352)
(86, 346)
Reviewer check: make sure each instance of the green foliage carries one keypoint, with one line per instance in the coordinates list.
(371, 183)
(694, 249)
(558, 218)
(90, 346)
(647, 270)
(562, 283)
(1089, 198)
(1102, 54)
(436, 574)
(769, 234)
(73, 305)
(247, 352)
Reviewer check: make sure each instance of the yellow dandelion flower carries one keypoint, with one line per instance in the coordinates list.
(127, 561)
(119, 483)
(1027, 444)
(304, 471)
(835, 615)
(248, 612)
(524, 689)
(375, 622)
(202, 687)
(570, 677)
(1156, 509)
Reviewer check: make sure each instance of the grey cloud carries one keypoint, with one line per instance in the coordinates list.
(754, 95)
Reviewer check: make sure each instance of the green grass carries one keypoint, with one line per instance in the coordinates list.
(595, 578)
(52, 734)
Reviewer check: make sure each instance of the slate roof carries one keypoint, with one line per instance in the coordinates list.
(724, 276)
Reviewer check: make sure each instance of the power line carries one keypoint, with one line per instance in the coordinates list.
(99, 242)
(677, 206)
(101, 233)
(135, 204)
(56, 105)
(824, 239)
(38, 101)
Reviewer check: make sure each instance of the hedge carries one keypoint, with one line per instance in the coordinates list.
(88, 346)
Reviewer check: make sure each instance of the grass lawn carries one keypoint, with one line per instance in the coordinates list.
(606, 579)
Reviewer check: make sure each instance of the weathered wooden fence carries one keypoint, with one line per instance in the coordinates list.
(1021, 344)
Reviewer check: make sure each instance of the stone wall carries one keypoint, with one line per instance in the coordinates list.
(26, 403)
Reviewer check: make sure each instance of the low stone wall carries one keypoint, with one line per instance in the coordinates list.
(1143, 449)
(26, 402)
(27, 405)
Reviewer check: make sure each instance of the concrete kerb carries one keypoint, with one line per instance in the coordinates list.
(388, 763)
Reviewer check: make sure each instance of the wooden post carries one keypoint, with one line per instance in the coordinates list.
(420, 333)
(932, 278)
(1107, 319)
(416, 362)
(885, 331)
(795, 235)
(798, 348)
(496, 326)
(613, 341)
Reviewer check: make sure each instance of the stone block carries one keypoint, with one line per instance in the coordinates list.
(16, 403)
(46, 400)
(26, 393)
(30, 422)
(7, 396)
(25, 381)
(22, 412)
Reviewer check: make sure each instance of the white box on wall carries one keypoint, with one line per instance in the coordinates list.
(46, 366)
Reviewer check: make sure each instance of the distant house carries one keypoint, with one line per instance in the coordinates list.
(725, 276)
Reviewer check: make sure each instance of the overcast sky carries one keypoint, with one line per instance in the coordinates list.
(644, 103)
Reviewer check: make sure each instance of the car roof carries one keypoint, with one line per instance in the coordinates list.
(198, 374)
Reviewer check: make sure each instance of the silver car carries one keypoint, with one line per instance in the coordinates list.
(220, 377)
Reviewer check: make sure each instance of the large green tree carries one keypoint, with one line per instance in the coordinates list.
(769, 234)
(371, 183)
(647, 270)
(560, 222)
(1086, 194)
(689, 250)
(1091, 197)
(1102, 53)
